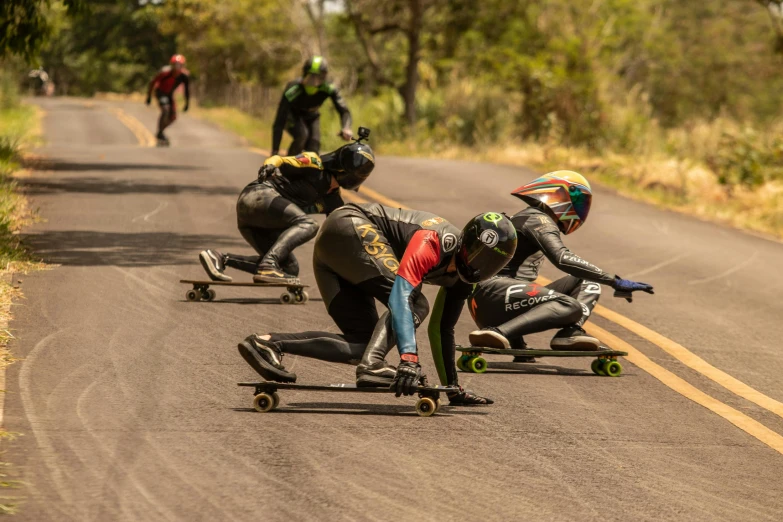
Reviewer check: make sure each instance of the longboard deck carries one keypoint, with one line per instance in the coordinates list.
(342, 387)
(605, 352)
(231, 283)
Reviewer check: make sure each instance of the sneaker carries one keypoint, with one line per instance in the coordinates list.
(213, 263)
(265, 358)
(273, 274)
(378, 374)
(574, 338)
(524, 359)
(489, 338)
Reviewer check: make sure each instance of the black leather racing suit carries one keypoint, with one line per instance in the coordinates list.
(516, 306)
(362, 254)
(272, 215)
(298, 113)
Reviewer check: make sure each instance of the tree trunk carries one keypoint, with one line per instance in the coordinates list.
(414, 54)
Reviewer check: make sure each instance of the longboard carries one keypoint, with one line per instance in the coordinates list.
(605, 360)
(201, 291)
(266, 397)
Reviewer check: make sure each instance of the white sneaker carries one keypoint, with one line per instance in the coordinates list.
(489, 339)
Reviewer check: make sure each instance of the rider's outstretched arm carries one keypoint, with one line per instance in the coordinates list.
(342, 108)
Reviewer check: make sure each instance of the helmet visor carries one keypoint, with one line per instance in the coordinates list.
(581, 200)
(479, 263)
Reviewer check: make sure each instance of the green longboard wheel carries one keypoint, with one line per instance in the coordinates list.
(425, 407)
(597, 366)
(612, 368)
(263, 402)
(461, 360)
(477, 365)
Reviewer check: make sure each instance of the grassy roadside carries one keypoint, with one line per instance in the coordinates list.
(19, 129)
(679, 181)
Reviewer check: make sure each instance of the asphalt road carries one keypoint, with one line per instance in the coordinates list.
(126, 400)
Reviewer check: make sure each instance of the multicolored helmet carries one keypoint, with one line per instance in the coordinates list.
(564, 194)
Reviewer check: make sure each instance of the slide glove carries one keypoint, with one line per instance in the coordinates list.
(625, 288)
(185, 108)
(149, 100)
(406, 381)
(467, 398)
(266, 172)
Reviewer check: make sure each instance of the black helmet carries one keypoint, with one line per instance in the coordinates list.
(351, 164)
(315, 65)
(486, 244)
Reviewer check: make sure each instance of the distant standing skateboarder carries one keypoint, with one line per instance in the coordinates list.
(164, 84)
(298, 112)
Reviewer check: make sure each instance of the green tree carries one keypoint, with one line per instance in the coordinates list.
(25, 25)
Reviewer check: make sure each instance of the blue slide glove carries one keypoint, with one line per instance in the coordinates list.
(625, 288)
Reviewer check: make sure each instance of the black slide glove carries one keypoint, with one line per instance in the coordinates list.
(406, 381)
(467, 398)
(149, 100)
(266, 172)
(625, 288)
(185, 108)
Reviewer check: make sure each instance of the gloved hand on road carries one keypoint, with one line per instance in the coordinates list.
(624, 288)
(185, 108)
(149, 100)
(267, 171)
(467, 398)
(406, 381)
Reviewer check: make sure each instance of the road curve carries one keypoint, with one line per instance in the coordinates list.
(127, 408)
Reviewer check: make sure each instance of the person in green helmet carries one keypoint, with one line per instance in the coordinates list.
(299, 109)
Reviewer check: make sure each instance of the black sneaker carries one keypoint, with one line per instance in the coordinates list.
(574, 338)
(213, 262)
(520, 344)
(273, 274)
(379, 374)
(489, 338)
(265, 358)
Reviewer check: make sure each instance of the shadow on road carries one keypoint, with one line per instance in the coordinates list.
(94, 185)
(351, 408)
(91, 248)
(67, 166)
(255, 300)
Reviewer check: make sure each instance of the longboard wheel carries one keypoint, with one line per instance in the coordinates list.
(425, 407)
(461, 363)
(597, 366)
(438, 404)
(210, 295)
(192, 295)
(301, 297)
(276, 399)
(263, 402)
(612, 368)
(477, 365)
(286, 298)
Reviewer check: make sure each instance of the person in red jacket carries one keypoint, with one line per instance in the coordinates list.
(164, 84)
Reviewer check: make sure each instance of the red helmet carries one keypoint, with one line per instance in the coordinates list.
(177, 59)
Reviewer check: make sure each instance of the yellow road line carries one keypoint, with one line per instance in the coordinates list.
(693, 361)
(144, 136)
(352, 197)
(739, 419)
(689, 359)
(380, 198)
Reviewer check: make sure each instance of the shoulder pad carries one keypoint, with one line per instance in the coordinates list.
(310, 159)
(292, 92)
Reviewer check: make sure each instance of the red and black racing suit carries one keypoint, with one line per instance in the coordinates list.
(298, 113)
(272, 215)
(516, 306)
(368, 252)
(165, 83)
